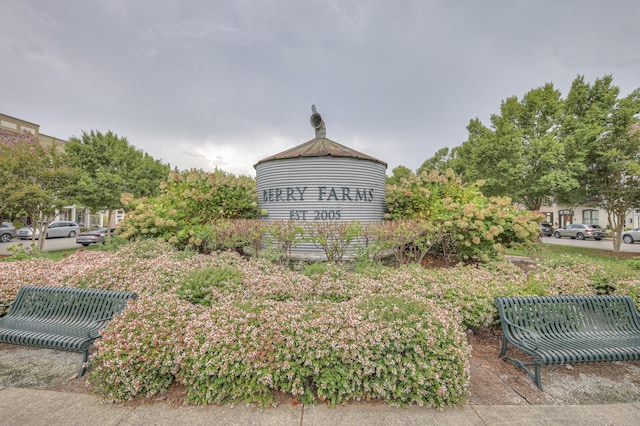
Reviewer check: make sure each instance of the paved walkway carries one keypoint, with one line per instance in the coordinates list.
(19, 406)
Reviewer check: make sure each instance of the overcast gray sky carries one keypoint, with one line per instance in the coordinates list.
(211, 83)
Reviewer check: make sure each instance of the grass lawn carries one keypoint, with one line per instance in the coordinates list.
(620, 264)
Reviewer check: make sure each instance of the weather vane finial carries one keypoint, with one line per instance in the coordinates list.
(317, 123)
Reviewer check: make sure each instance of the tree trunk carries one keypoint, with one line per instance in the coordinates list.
(617, 238)
(616, 220)
(109, 213)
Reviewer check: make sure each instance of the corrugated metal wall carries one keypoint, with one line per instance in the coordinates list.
(321, 188)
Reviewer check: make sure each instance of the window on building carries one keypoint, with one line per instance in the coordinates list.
(565, 217)
(590, 217)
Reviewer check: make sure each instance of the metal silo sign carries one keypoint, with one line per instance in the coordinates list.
(321, 180)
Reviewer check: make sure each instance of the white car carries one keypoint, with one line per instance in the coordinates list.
(57, 229)
(632, 236)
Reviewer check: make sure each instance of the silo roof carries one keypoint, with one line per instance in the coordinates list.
(320, 147)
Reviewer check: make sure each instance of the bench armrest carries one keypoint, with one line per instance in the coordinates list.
(4, 309)
(97, 325)
(7, 305)
(535, 337)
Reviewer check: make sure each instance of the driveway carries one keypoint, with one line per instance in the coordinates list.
(604, 244)
(49, 245)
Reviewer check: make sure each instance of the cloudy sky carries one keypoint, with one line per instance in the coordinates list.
(212, 83)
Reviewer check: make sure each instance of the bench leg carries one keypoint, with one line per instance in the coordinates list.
(537, 380)
(83, 366)
(535, 374)
(504, 346)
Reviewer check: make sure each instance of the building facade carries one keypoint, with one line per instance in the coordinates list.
(562, 215)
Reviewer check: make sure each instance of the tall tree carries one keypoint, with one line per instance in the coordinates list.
(602, 129)
(35, 181)
(110, 167)
(585, 116)
(520, 155)
(615, 176)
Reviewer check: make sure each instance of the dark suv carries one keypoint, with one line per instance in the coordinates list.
(546, 229)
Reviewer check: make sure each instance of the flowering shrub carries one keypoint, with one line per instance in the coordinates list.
(400, 351)
(139, 356)
(282, 237)
(189, 203)
(461, 220)
(334, 238)
(432, 212)
(330, 334)
(571, 275)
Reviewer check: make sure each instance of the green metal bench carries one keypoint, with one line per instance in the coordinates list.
(569, 329)
(68, 319)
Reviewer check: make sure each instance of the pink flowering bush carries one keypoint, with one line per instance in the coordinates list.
(400, 351)
(140, 353)
(236, 330)
(630, 287)
(468, 289)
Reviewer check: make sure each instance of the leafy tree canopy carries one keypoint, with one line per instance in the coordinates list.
(520, 154)
(602, 129)
(582, 149)
(398, 174)
(35, 181)
(110, 167)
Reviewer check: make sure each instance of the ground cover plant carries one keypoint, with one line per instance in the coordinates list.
(232, 330)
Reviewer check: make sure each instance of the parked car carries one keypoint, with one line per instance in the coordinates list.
(546, 229)
(7, 232)
(580, 231)
(632, 236)
(57, 229)
(93, 236)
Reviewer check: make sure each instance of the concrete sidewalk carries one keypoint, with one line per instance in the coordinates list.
(20, 406)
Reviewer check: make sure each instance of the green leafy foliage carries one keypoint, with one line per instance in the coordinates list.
(334, 238)
(521, 155)
(635, 263)
(197, 286)
(36, 181)
(282, 236)
(192, 211)
(583, 149)
(327, 352)
(141, 356)
(457, 218)
(110, 166)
